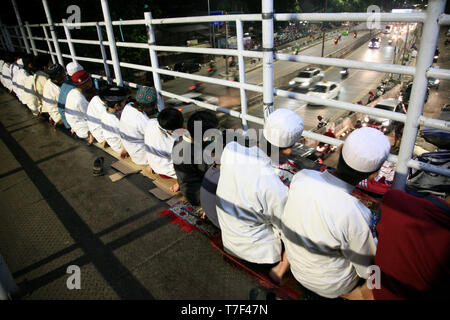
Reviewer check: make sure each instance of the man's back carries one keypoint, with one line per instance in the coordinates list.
(159, 144)
(326, 234)
(132, 129)
(250, 202)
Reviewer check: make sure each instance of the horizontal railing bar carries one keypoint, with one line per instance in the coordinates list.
(434, 123)
(353, 64)
(80, 24)
(228, 52)
(200, 19)
(428, 167)
(84, 58)
(342, 105)
(348, 16)
(212, 107)
(444, 20)
(139, 45)
(82, 41)
(438, 73)
(129, 22)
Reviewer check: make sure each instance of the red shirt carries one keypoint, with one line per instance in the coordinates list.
(413, 250)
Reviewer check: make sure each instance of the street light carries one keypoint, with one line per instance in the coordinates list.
(323, 30)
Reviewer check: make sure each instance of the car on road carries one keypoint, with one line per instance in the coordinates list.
(165, 77)
(380, 123)
(433, 83)
(374, 43)
(188, 107)
(325, 90)
(308, 77)
(188, 67)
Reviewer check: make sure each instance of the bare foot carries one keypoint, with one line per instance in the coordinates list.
(91, 139)
(277, 272)
(149, 170)
(175, 188)
(71, 131)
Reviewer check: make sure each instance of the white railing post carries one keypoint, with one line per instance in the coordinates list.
(5, 34)
(153, 58)
(112, 42)
(104, 56)
(49, 44)
(2, 42)
(53, 32)
(19, 21)
(30, 36)
(268, 51)
(69, 41)
(424, 61)
(240, 44)
(19, 38)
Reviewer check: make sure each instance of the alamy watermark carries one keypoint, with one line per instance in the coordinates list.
(374, 280)
(74, 280)
(373, 22)
(75, 18)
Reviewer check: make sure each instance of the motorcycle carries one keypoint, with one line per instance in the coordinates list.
(372, 97)
(336, 41)
(354, 35)
(322, 123)
(211, 70)
(344, 73)
(390, 42)
(323, 151)
(197, 87)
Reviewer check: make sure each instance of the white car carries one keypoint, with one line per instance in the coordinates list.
(325, 90)
(374, 43)
(306, 78)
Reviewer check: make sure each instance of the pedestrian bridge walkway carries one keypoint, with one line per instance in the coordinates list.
(55, 214)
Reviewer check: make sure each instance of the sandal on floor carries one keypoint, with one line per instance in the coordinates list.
(97, 169)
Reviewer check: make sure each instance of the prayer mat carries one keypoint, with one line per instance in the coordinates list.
(187, 217)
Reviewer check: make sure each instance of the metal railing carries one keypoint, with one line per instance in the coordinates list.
(432, 19)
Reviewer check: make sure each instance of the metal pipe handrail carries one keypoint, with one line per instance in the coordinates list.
(350, 16)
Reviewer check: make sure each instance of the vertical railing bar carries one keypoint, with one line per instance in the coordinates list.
(30, 36)
(53, 32)
(7, 38)
(22, 31)
(268, 51)
(240, 43)
(112, 42)
(49, 44)
(19, 38)
(153, 59)
(103, 51)
(425, 56)
(69, 41)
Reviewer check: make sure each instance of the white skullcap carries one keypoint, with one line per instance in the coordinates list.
(73, 67)
(20, 63)
(366, 149)
(283, 128)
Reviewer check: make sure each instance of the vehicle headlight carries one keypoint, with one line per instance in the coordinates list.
(366, 119)
(305, 84)
(291, 82)
(436, 81)
(385, 123)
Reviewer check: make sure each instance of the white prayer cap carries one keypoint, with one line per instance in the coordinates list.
(283, 128)
(366, 149)
(73, 67)
(20, 63)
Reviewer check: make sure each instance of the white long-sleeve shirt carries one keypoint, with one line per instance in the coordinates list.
(159, 145)
(50, 100)
(6, 76)
(75, 111)
(326, 233)
(132, 131)
(96, 109)
(111, 131)
(250, 203)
